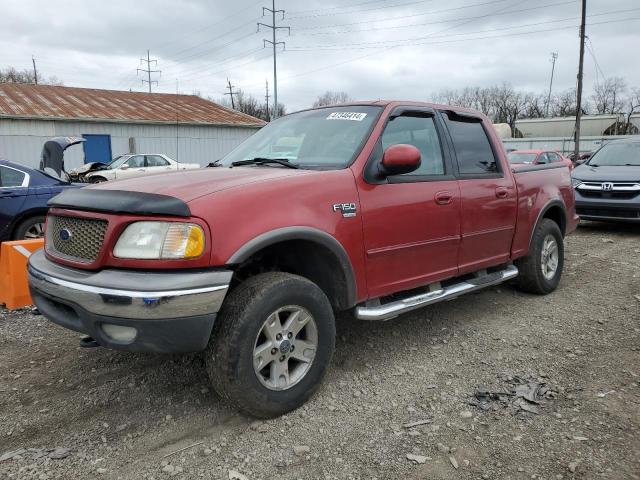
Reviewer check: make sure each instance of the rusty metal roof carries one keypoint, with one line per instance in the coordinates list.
(68, 103)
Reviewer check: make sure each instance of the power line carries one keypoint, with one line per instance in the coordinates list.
(398, 17)
(338, 47)
(363, 10)
(208, 27)
(274, 43)
(361, 57)
(148, 70)
(476, 17)
(336, 8)
(590, 48)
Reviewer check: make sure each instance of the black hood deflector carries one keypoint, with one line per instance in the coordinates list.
(120, 201)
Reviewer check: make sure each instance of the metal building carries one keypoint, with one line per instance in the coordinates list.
(187, 128)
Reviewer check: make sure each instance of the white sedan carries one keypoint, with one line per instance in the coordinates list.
(135, 165)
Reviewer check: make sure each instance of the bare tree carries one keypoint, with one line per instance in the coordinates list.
(11, 75)
(633, 106)
(535, 105)
(608, 97)
(247, 103)
(564, 104)
(331, 98)
(509, 104)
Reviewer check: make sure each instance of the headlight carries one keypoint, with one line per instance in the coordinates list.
(575, 183)
(160, 240)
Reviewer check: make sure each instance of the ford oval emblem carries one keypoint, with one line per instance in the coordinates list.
(65, 235)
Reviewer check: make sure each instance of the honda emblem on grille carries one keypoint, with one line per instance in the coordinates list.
(65, 235)
(607, 186)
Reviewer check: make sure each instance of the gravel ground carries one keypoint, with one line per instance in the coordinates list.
(67, 412)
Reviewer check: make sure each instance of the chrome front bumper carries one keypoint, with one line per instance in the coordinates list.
(170, 311)
(129, 294)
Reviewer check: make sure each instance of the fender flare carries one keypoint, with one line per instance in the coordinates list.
(550, 204)
(301, 233)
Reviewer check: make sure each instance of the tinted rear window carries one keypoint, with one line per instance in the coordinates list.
(472, 147)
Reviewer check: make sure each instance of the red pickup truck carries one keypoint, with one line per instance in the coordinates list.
(378, 208)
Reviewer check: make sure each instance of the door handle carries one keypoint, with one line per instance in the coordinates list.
(502, 192)
(444, 198)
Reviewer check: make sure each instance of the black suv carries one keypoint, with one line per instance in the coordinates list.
(607, 185)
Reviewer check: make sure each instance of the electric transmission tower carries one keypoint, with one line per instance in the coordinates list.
(148, 70)
(274, 27)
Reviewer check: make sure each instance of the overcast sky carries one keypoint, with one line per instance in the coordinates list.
(371, 49)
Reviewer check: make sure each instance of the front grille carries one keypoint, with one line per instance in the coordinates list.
(619, 195)
(628, 213)
(73, 238)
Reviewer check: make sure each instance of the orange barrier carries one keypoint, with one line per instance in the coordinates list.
(14, 288)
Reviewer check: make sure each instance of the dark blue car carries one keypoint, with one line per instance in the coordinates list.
(24, 193)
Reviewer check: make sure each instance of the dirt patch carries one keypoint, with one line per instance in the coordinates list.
(400, 400)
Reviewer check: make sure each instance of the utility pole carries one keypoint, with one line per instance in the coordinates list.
(232, 93)
(554, 57)
(274, 44)
(148, 70)
(266, 98)
(177, 125)
(35, 70)
(576, 151)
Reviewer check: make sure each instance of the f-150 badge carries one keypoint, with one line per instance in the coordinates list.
(348, 209)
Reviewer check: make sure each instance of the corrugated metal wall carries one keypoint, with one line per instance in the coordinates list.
(21, 140)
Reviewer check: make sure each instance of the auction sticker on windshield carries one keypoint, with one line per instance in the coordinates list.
(356, 116)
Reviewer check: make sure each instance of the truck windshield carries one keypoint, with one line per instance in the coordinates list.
(519, 157)
(617, 155)
(323, 138)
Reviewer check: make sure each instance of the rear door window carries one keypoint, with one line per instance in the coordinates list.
(471, 145)
(156, 161)
(10, 177)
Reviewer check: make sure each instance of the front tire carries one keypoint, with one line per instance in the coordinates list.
(541, 270)
(272, 344)
(30, 228)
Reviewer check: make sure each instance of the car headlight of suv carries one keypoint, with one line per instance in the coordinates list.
(160, 240)
(575, 183)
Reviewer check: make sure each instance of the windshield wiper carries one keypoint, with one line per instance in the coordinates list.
(263, 161)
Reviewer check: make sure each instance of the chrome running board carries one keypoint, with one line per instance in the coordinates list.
(393, 309)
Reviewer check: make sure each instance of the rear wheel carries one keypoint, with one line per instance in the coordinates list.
(97, 179)
(30, 228)
(541, 270)
(272, 344)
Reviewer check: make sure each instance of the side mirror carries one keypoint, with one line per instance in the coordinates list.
(580, 161)
(124, 167)
(400, 158)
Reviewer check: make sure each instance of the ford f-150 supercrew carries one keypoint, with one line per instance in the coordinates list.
(378, 208)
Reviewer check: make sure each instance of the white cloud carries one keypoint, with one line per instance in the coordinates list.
(201, 43)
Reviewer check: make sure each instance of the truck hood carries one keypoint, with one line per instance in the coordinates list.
(587, 173)
(187, 185)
